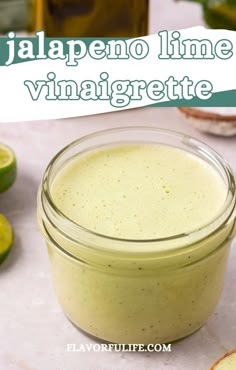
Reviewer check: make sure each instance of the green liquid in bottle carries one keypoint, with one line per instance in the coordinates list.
(92, 18)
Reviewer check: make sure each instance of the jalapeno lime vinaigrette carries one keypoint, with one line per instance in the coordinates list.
(138, 224)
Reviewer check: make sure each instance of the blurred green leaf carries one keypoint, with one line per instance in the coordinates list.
(219, 14)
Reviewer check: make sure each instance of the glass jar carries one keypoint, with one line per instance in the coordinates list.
(91, 18)
(137, 291)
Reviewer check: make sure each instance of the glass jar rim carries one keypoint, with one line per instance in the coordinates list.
(225, 214)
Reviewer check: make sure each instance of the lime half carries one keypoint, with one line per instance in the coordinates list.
(6, 238)
(7, 168)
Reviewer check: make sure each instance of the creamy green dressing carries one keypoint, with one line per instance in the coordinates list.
(139, 191)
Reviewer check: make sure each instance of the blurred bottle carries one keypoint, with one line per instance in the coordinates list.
(220, 14)
(15, 15)
(91, 18)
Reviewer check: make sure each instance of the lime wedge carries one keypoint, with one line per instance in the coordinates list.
(226, 362)
(7, 168)
(6, 238)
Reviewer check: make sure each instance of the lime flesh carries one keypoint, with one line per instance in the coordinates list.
(7, 168)
(6, 238)
(227, 362)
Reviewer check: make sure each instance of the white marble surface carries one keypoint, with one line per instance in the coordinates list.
(33, 331)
